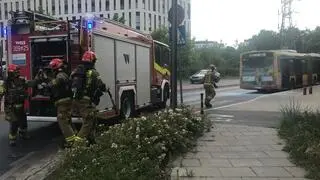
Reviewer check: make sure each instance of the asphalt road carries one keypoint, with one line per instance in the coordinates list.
(46, 133)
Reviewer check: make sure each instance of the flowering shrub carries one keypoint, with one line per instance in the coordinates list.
(140, 148)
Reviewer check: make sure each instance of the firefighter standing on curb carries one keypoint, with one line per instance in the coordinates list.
(87, 87)
(211, 78)
(14, 89)
(60, 93)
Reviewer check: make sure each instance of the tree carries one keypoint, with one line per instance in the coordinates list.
(116, 18)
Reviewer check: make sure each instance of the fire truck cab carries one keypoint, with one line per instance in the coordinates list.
(132, 65)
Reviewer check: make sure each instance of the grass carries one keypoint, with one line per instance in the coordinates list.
(300, 128)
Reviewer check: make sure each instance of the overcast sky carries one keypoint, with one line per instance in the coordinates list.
(228, 20)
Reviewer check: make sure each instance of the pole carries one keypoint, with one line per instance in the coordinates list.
(180, 81)
(174, 54)
(201, 100)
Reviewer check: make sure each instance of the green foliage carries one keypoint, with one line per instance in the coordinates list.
(116, 18)
(137, 149)
(301, 129)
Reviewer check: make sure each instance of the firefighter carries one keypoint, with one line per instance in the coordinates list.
(60, 94)
(14, 89)
(87, 87)
(210, 85)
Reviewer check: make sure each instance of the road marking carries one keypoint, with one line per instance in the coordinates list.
(221, 117)
(239, 103)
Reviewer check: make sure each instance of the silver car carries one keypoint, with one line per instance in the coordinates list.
(198, 77)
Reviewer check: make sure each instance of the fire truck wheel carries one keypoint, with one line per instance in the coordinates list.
(127, 105)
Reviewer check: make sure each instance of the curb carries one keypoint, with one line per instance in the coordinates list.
(34, 166)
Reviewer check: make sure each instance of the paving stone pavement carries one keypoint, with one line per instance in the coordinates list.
(237, 152)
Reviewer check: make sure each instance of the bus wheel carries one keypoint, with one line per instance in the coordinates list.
(127, 105)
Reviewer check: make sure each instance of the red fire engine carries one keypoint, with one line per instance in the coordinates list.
(131, 63)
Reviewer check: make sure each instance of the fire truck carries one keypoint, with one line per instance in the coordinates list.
(134, 67)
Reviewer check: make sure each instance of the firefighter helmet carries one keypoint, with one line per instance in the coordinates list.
(89, 56)
(56, 63)
(213, 67)
(13, 68)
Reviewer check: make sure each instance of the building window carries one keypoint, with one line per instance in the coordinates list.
(138, 20)
(59, 7)
(23, 5)
(145, 21)
(108, 16)
(5, 11)
(28, 5)
(93, 6)
(47, 7)
(137, 4)
(129, 4)
(114, 4)
(121, 4)
(107, 5)
(144, 4)
(149, 5)
(189, 11)
(159, 7)
(155, 22)
(86, 6)
(150, 23)
(163, 6)
(79, 6)
(154, 5)
(101, 15)
(53, 7)
(130, 21)
(0, 12)
(17, 5)
(72, 7)
(66, 7)
(100, 9)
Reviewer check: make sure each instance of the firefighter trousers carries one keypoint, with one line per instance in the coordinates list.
(88, 115)
(210, 93)
(64, 118)
(18, 120)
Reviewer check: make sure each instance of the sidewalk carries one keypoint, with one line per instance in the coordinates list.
(186, 85)
(235, 152)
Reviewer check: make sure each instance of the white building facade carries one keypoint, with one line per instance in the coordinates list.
(144, 15)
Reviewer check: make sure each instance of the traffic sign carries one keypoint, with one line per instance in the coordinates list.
(180, 15)
(182, 36)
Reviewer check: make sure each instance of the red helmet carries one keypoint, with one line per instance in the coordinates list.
(13, 68)
(56, 63)
(89, 56)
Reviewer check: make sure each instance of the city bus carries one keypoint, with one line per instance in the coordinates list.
(272, 70)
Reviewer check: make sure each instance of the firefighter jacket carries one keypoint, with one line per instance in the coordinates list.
(59, 87)
(87, 84)
(15, 91)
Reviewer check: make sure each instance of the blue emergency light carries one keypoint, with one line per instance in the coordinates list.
(4, 31)
(90, 25)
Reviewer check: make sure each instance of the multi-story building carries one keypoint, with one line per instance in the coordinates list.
(144, 15)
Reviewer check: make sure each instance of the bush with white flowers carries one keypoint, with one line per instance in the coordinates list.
(140, 148)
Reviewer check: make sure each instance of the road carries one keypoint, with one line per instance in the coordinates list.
(45, 133)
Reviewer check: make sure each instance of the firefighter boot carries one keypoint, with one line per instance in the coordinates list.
(23, 134)
(12, 140)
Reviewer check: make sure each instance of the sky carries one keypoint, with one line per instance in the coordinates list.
(231, 20)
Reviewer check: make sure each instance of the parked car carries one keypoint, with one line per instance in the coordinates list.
(198, 77)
